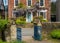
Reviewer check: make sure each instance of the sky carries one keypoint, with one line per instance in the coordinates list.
(53, 0)
(5, 2)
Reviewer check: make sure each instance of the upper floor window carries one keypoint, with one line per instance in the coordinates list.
(41, 2)
(29, 2)
(15, 2)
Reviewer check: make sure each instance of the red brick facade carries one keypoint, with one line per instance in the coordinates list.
(10, 8)
(47, 6)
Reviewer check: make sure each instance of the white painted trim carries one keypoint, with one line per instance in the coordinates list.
(37, 14)
(18, 1)
(41, 10)
(43, 2)
(31, 16)
(27, 3)
(14, 4)
(44, 11)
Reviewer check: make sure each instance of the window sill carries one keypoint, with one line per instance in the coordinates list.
(41, 6)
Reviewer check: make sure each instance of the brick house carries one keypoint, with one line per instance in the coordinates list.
(44, 8)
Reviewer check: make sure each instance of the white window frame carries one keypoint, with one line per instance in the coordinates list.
(27, 3)
(43, 4)
(44, 11)
(14, 4)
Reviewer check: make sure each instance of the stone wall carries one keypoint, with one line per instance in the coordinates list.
(10, 33)
(13, 32)
(49, 26)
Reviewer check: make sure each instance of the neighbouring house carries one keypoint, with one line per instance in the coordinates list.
(58, 10)
(44, 8)
(2, 9)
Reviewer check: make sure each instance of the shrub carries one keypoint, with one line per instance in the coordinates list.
(42, 19)
(3, 23)
(2, 41)
(55, 34)
(20, 21)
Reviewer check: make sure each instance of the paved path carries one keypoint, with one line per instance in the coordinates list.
(29, 39)
(27, 31)
(27, 34)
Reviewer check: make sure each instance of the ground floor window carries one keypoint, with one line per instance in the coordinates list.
(42, 13)
(53, 18)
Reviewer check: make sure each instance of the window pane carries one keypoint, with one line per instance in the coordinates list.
(41, 13)
(41, 2)
(16, 2)
(29, 2)
(44, 15)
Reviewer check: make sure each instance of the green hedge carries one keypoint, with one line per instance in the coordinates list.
(20, 22)
(3, 23)
(55, 34)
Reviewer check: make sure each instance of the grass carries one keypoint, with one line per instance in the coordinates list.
(55, 41)
(13, 42)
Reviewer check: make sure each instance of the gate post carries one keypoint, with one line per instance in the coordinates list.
(13, 32)
(37, 31)
(19, 35)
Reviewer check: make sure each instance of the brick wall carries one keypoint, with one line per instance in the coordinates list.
(10, 8)
(48, 7)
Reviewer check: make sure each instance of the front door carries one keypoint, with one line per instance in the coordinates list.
(29, 17)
